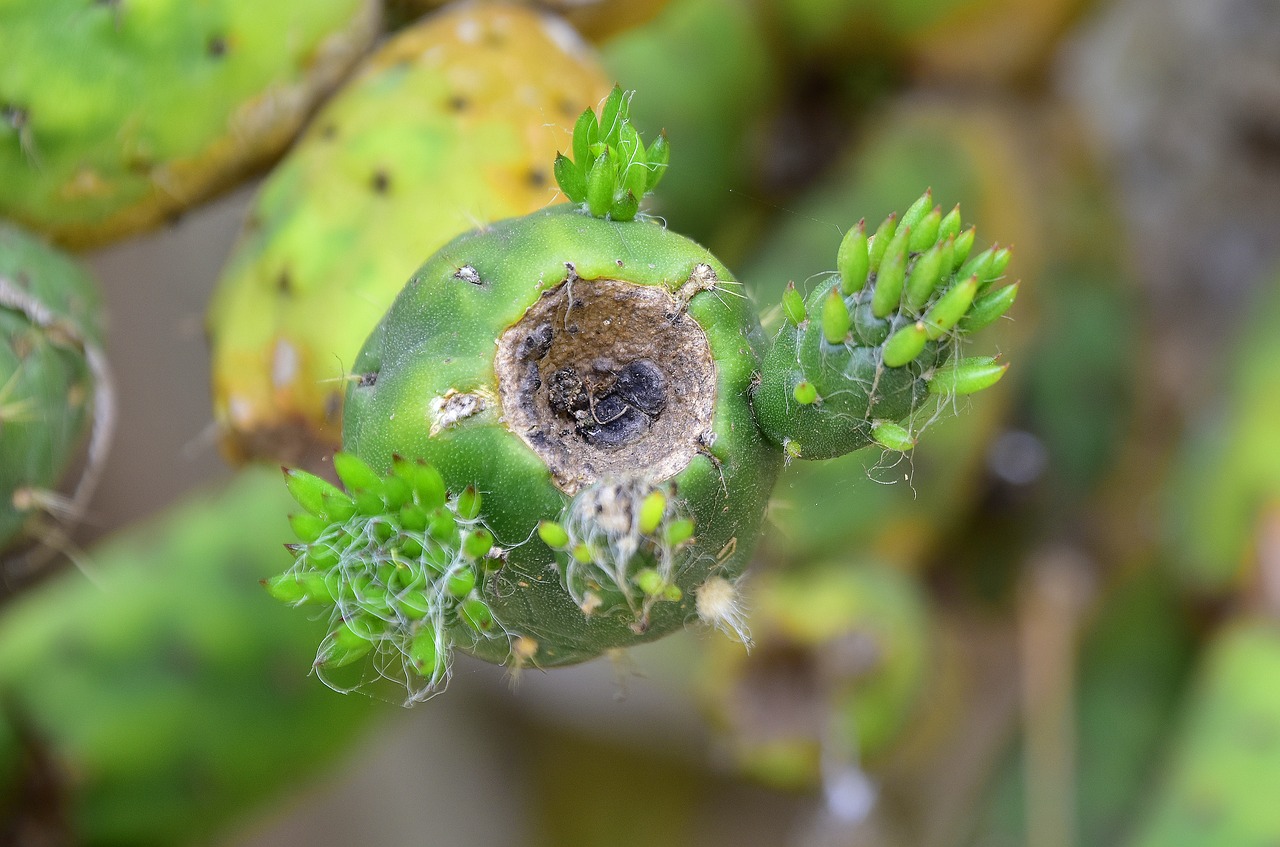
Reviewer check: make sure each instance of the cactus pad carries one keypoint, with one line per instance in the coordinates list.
(430, 138)
(53, 381)
(114, 116)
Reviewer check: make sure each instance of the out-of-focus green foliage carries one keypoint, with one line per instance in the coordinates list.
(162, 691)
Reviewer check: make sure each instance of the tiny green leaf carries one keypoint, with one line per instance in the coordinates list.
(570, 179)
(967, 376)
(892, 436)
(836, 320)
(553, 535)
(468, 505)
(600, 181)
(793, 305)
(905, 344)
(925, 275)
(805, 392)
(917, 210)
(853, 260)
(652, 508)
(659, 156)
(989, 307)
(925, 232)
(950, 308)
(880, 241)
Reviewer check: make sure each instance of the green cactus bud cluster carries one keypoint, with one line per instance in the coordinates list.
(619, 545)
(54, 383)
(600, 379)
(611, 170)
(400, 564)
(115, 116)
(866, 347)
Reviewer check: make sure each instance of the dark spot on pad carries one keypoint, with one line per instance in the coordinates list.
(368, 379)
(381, 181)
(217, 47)
(329, 132)
(284, 283)
(458, 103)
(537, 177)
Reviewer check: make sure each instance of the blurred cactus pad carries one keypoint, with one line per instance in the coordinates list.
(115, 116)
(51, 375)
(562, 436)
(161, 700)
(428, 139)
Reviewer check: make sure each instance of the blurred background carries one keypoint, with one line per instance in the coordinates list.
(1055, 624)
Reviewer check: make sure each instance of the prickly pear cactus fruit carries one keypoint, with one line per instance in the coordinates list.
(1220, 784)
(159, 703)
(868, 346)
(592, 376)
(114, 116)
(53, 380)
(430, 138)
(841, 657)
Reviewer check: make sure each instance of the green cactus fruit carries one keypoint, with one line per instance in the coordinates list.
(880, 337)
(115, 116)
(1219, 786)
(430, 138)
(163, 695)
(850, 644)
(54, 386)
(597, 20)
(1225, 488)
(590, 373)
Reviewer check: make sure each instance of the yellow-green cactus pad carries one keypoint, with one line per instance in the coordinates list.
(452, 124)
(115, 116)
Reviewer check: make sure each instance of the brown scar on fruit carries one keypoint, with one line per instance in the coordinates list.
(607, 378)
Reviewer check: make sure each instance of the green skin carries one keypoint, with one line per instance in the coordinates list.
(114, 116)
(45, 381)
(440, 335)
(164, 695)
